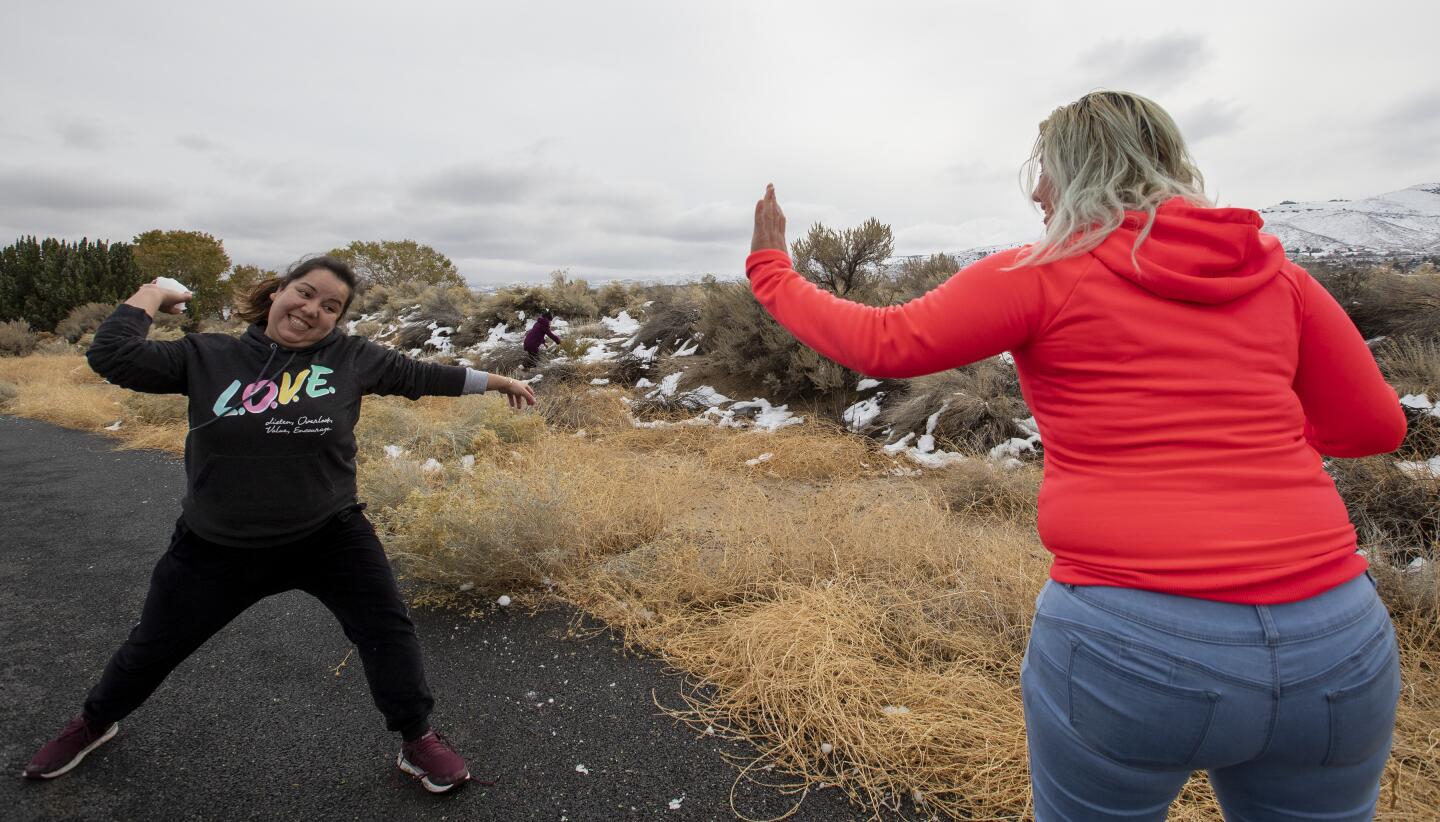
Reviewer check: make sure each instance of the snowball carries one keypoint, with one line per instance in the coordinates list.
(503, 601)
(826, 747)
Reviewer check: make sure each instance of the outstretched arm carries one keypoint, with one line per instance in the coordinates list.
(978, 313)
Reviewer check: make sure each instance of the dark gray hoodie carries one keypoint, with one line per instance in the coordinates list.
(270, 456)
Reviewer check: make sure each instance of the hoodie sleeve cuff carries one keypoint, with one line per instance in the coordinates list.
(476, 382)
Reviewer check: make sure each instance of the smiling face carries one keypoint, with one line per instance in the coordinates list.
(305, 310)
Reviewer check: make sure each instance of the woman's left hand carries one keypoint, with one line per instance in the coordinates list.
(769, 223)
(518, 394)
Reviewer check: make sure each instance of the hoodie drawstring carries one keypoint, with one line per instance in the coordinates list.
(229, 411)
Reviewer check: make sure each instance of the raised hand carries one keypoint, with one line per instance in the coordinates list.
(154, 298)
(769, 223)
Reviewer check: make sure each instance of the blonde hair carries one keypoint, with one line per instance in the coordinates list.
(1107, 153)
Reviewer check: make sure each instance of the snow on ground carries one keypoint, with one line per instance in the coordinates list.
(1429, 469)
(622, 324)
(858, 416)
(867, 384)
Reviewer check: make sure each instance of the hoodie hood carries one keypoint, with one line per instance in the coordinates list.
(255, 336)
(1194, 254)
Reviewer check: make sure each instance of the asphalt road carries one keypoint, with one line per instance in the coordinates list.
(257, 724)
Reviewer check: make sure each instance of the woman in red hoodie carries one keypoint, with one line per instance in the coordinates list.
(1207, 607)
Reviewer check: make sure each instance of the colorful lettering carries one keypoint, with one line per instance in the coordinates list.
(254, 389)
(290, 387)
(316, 386)
(222, 406)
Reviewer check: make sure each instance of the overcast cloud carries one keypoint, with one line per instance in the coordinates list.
(630, 139)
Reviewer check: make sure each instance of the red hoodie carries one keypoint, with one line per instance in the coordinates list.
(1183, 404)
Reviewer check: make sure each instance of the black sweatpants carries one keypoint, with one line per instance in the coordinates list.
(198, 587)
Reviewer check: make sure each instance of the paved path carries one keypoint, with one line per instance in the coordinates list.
(257, 726)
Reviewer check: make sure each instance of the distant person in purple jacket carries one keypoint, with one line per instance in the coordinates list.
(535, 337)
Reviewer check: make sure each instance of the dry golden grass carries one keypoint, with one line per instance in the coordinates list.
(802, 595)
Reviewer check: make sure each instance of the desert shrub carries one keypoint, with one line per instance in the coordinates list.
(506, 306)
(614, 297)
(83, 320)
(575, 408)
(446, 305)
(412, 335)
(444, 428)
(980, 488)
(155, 409)
(1383, 301)
(1411, 364)
(571, 372)
(16, 339)
(916, 276)
(670, 321)
(593, 331)
(978, 406)
(742, 338)
(626, 369)
(50, 346)
(570, 298)
(367, 329)
(1390, 507)
(371, 299)
(504, 359)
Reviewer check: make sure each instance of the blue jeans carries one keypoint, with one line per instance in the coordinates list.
(1289, 708)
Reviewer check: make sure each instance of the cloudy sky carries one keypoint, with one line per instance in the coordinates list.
(631, 139)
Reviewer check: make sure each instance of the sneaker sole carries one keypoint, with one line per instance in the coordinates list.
(105, 737)
(432, 787)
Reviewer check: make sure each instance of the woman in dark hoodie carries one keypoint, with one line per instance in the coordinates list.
(270, 502)
(1207, 608)
(535, 337)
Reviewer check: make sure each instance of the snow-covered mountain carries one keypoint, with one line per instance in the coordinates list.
(1401, 223)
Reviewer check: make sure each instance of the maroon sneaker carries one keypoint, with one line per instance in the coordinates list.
(431, 760)
(65, 751)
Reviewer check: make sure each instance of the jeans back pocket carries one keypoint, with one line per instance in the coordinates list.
(1362, 716)
(1134, 719)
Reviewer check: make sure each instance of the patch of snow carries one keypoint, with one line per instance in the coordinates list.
(467, 463)
(765, 457)
(826, 747)
(1420, 402)
(667, 386)
(687, 350)
(431, 466)
(645, 354)
(867, 384)
(864, 412)
(622, 324)
(394, 452)
(643, 383)
(466, 586)
(675, 803)
(598, 353)
(599, 381)
(503, 601)
(582, 769)
(1007, 358)
(771, 417)
(895, 710)
(1429, 469)
(114, 426)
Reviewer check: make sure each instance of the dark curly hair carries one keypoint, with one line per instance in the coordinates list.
(254, 307)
